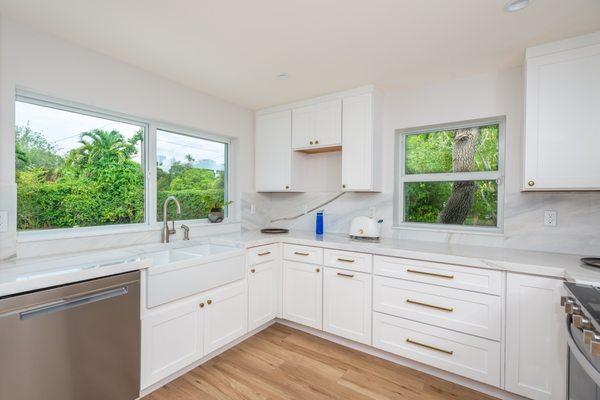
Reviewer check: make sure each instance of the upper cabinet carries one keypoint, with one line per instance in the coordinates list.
(348, 122)
(317, 128)
(274, 158)
(562, 118)
(361, 155)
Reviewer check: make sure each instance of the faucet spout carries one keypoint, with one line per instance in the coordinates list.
(166, 232)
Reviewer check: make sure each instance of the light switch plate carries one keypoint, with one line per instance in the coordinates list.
(3, 221)
(549, 218)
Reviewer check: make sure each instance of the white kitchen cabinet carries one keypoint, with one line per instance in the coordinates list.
(562, 122)
(225, 315)
(172, 338)
(361, 144)
(347, 304)
(317, 126)
(535, 344)
(277, 167)
(263, 292)
(303, 293)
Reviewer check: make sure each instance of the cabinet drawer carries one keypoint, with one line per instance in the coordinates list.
(348, 260)
(306, 254)
(257, 255)
(464, 355)
(475, 279)
(469, 312)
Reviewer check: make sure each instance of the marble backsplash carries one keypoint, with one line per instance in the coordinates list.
(577, 231)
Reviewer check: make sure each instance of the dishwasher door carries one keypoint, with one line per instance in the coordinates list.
(74, 342)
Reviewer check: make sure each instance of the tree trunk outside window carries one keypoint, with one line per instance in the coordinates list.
(459, 203)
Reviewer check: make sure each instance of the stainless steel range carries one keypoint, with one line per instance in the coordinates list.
(582, 306)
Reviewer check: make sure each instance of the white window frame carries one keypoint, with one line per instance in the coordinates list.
(148, 158)
(178, 130)
(402, 177)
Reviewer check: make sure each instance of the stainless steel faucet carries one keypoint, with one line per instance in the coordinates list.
(166, 232)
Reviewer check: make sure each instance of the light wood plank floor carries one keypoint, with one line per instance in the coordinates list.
(283, 363)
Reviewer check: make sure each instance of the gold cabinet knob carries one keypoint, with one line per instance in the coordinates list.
(318, 269)
(287, 187)
(201, 305)
(316, 142)
(531, 183)
(209, 302)
(343, 186)
(310, 142)
(253, 270)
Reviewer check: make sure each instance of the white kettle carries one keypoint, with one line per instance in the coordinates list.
(365, 228)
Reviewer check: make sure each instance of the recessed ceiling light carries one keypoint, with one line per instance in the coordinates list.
(516, 5)
(283, 76)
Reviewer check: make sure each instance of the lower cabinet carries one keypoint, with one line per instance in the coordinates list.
(225, 315)
(347, 304)
(179, 334)
(263, 293)
(536, 349)
(462, 354)
(172, 338)
(303, 293)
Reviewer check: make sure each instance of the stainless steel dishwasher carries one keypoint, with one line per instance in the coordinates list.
(74, 342)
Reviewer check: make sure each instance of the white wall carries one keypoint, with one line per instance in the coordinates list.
(492, 94)
(48, 65)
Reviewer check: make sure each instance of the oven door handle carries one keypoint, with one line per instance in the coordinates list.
(576, 352)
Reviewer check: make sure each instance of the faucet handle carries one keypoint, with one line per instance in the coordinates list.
(186, 232)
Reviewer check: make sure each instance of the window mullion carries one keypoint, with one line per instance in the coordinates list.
(453, 176)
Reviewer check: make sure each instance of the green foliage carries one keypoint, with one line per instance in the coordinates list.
(98, 183)
(95, 184)
(432, 153)
(195, 204)
(34, 151)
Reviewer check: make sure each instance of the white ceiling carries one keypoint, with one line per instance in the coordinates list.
(234, 49)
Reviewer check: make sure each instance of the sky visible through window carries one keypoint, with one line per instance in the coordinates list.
(63, 128)
(173, 147)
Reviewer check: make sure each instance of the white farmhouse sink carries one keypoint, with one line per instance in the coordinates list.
(185, 271)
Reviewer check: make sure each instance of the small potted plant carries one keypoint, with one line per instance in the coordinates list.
(217, 213)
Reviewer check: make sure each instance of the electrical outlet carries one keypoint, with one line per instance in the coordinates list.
(549, 218)
(252, 208)
(3, 221)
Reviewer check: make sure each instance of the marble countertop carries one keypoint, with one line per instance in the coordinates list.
(556, 265)
(21, 275)
(26, 274)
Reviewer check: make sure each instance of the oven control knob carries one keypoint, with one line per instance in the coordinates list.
(572, 309)
(589, 335)
(581, 322)
(595, 348)
(565, 299)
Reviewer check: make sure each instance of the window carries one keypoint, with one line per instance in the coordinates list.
(450, 175)
(192, 169)
(76, 169)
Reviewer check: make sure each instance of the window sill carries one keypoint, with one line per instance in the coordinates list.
(454, 229)
(75, 233)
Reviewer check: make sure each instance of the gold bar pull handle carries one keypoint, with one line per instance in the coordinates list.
(419, 303)
(299, 253)
(346, 275)
(414, 271)
(345, 260)
(266, 253)
(427, 346)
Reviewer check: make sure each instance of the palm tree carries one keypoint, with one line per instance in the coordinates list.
(97, 145)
